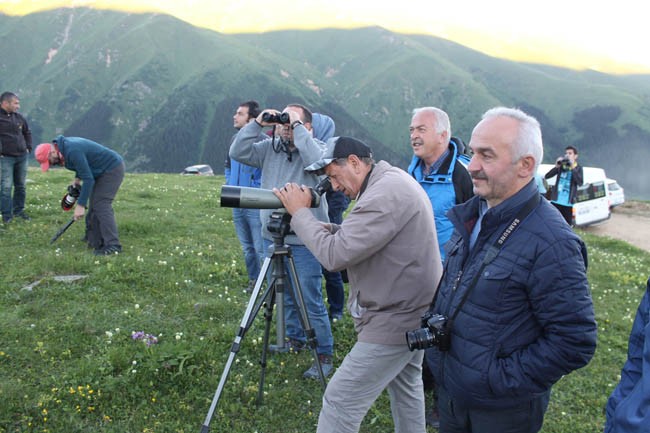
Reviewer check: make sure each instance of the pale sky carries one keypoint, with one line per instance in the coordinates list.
(580, 34)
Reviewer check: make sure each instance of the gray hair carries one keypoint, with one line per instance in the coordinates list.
(442, 119)
(529, 138)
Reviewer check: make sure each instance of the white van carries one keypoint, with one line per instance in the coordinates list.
(592, 203)
(615, 192)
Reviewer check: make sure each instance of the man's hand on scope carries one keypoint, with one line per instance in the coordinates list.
(294, 197)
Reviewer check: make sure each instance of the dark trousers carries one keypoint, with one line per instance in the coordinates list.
(566, 211)
(101, 228)
(527, 417)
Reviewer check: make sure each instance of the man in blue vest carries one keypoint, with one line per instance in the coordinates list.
(248, 225)
(436, 167)
(445, 179)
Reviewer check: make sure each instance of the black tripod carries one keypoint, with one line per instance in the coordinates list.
(279, 228)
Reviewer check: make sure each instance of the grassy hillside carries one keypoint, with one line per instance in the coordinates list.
(69, 362)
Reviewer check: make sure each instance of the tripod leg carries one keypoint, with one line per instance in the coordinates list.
(279, 283)
(249, 315)
(268, 316)
(304, 317)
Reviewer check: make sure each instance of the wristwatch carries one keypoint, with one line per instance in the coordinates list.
(296, 123)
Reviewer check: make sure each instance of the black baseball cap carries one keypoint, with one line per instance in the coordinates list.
(340, 148)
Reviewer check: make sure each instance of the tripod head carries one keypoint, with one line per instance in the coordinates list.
(279, 225)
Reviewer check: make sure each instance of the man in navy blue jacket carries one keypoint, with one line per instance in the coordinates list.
(99, 171)
(514, 292)
(628, 408)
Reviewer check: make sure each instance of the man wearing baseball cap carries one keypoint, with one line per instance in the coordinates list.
(385, 244)
(99, 171)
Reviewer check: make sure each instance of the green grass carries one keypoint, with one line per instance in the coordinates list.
(68, 362)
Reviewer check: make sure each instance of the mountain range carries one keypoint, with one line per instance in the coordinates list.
(162, 92)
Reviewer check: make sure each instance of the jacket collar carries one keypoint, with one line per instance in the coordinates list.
(464, 215)
(444, 167)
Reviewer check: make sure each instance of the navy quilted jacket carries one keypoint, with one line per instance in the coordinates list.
(528, 321)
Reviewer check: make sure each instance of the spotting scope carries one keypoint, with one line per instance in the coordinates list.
(257, 198)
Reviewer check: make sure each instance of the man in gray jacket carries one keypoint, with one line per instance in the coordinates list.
(385, 243)
(283, 159)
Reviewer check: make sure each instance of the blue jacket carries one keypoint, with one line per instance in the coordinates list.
(528, 321)
(628, 408)
(238, 174)
(450, 185)
(323, 126)
(89, 160)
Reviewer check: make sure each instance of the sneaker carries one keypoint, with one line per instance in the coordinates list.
(335, 317)
(325, 364)
(23, 216)
(108, 251)
(7, 220)
(294, 345)
(251, 286)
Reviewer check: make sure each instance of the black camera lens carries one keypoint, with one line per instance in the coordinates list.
(432, 333)
(419, 339)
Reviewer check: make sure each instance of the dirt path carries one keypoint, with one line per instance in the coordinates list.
(630, 222)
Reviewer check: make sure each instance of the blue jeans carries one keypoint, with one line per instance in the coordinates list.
(249, 231)
(527, 417)
(334, 280)
(335, 291)
(14, 173)
(309, 276)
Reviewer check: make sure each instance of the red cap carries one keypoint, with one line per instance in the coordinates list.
(42, 153)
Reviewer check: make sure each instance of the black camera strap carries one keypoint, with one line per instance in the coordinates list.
(493, 251)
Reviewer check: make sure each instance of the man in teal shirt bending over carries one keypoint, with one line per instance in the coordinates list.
(99, 172)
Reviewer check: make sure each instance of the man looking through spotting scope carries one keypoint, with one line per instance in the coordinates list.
(388, 245)
(283, 158)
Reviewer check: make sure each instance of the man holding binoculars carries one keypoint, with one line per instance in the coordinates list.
(569, 178)
(283, 158)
